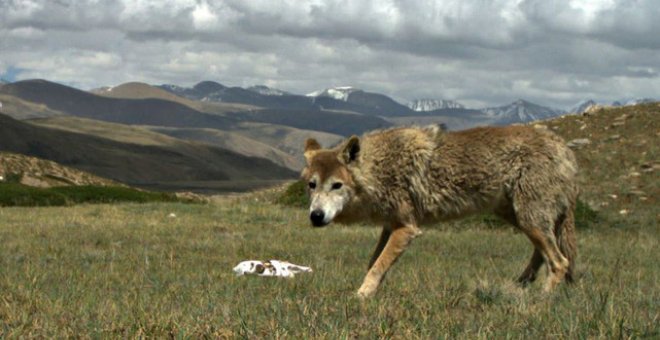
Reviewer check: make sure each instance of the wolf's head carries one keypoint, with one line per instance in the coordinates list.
(329, 181)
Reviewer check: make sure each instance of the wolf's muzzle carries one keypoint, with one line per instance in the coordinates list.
(317, 217)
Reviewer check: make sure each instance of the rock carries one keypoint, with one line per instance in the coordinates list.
(636, 193)
(615, 124)
(34, 182)
(649, 167)
(613, 137)
(624, 212)
(579, 142)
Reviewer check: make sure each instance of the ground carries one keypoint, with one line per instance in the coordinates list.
(131, 269)
(164, 269)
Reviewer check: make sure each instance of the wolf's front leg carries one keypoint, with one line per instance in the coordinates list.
(398, 241)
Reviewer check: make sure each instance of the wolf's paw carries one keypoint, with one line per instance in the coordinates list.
(363, 295)
(365, 292)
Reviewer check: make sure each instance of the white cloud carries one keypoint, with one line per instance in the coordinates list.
(483, 52)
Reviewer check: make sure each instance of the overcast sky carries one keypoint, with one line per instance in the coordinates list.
(481, 53)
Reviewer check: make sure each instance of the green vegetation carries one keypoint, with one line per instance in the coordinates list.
(129, 270)
(15, 194)
(295, 195)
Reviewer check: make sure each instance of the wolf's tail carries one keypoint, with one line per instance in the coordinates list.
(565, 234)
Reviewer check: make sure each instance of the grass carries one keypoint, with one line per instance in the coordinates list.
(129, 270)
(15, 194)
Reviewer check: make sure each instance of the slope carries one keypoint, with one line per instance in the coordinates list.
(134, 163)
(127, 111)
(618, 151)
(137, 90)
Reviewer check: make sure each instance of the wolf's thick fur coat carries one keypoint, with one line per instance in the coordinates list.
(404, 177)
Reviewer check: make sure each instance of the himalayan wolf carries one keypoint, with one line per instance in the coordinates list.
(404, 177)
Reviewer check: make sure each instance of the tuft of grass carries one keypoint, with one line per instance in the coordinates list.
(585, 216)
(295, 195)
(13, 177)
(15, 194)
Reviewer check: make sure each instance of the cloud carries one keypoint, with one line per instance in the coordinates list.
(480, 52)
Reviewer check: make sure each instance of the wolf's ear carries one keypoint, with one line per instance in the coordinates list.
(351, 150)
(311, 146)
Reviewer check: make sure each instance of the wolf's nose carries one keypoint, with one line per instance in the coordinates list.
(317, 217)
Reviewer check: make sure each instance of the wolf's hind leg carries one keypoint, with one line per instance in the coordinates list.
(397, 243)
(384, 237)
(545, 242)
(529, 274)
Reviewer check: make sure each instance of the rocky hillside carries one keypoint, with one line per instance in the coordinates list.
(42, 173)
(618, 150)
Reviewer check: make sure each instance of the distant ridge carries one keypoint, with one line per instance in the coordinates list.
(132, 163)
(118, 110)
(520, 111)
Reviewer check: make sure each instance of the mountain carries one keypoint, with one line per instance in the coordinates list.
(360, 101)
(634, 101)
(148, 111)
(338, 99)
(338, 93)
(267, 91)
(208, 91)
(425, 105)
(21, 109)
(134, 163)
(137, 90)
(586, 104)
(582, 106)
(197, 92)
(339, 123)
(520, 111)
(452, 119)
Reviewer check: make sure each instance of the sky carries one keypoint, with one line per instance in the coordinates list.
(478, 52)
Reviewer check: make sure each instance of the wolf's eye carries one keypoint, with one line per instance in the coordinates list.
(336, 185)
(312, 185)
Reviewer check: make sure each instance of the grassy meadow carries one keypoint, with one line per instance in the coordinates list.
(164, 269)
(129, 270)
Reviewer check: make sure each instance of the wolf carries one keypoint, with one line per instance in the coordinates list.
(405, 177)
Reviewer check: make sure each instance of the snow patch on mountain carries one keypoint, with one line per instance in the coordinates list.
(174, 88)
(520, 111)
(582, 106)
(425, 105)
(338, 93)
(267, 91)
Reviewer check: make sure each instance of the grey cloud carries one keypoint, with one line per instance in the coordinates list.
(482, 52)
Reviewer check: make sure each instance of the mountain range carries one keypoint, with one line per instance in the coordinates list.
(520, 111)
(211, 131)
(588, 103)
(425, 105)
